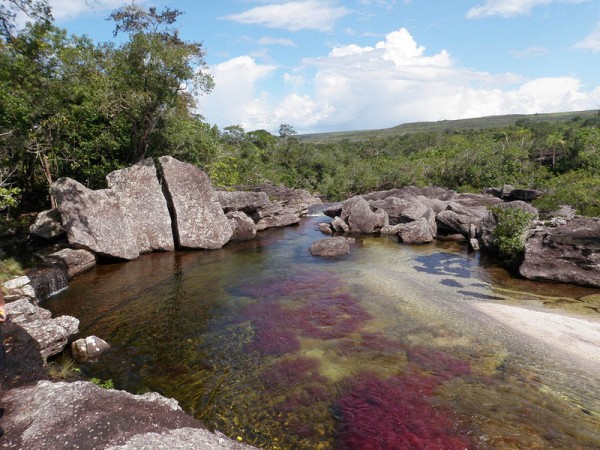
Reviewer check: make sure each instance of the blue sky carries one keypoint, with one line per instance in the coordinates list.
(331, 65)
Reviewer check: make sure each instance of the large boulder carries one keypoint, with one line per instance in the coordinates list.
(144, 204)
(47, 225)
(245, 201)
(243, 226)
(95, 220)
(82, 415)
(417, 232)
(568, 253)
(361, 218)
(75, 262)
(199, 218)
(331, 247)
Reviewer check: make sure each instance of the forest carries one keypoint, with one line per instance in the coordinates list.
(72, 107)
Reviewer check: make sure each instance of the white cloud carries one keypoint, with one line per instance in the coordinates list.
(294, 16)
(277, 41)
(69, 9)
(391, 82)
(510, 8)
(592, 41)
(530, 52)
(235, 99)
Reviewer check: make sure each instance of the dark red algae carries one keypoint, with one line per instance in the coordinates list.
(395, 414)
(314, 309)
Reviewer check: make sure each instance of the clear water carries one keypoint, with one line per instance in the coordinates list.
(380, 349)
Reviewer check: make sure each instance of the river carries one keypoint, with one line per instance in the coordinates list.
(393, 346)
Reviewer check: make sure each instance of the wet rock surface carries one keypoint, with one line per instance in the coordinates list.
(75, 262)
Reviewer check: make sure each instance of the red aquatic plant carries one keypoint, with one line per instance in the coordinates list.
(439, 365)
(395, 414)
(290, 372)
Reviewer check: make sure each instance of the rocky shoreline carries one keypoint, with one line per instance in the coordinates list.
(173, 206)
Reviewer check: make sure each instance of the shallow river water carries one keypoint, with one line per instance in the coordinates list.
(385, 348)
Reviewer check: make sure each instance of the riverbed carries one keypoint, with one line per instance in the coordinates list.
(393, 346)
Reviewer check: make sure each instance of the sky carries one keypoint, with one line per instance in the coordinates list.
(332, 65)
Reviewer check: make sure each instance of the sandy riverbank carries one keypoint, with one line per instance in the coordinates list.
(577, 337)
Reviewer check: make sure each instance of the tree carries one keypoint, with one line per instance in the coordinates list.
(154, 72)
(286, 130)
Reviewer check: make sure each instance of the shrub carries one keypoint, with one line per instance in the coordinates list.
(509, 234)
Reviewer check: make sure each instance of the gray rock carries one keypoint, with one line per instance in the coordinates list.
(243, 226)
(414, 212)
(51, 335)
(276, 216)
(474, 245)
(199, 218)
(144, 204)
(526, 195)
(361, 218)
(394, 207)
(75, 261)
(95, 220)
(435, 204)
(390, 230)
(19, 288)
(88, 349)
(339, 225)
(100, 419)
(417, 232)
(23, 311)
(47, 225)
(333, 210)
(245, 201)
(430, 216)
(479, 212)
(325, 228)
(505, 193)
(568, 253)
(453, 222)
(330, 247)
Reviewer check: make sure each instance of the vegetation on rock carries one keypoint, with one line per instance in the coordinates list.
(509, 234)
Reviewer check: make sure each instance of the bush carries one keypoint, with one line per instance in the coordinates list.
(579, 189)
(509, 234)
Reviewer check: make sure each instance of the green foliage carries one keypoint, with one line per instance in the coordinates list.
(579, 189)
(63, 369)
(10, 268)
(509, 234)
(108, 384)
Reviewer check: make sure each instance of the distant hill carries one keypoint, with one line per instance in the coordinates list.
(451, 125)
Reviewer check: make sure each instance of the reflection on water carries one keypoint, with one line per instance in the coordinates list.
(379, 349)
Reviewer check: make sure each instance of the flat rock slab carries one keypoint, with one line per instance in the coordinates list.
(199, 218)
(142, 199)
(74, 261)
(83, 415)
(95, 220)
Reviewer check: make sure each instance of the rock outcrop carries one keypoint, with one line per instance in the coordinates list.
(568, 253)
(51, 335)
(357, 212)
(417, 232)
(331, 247)
(83, 415)
(95, 220)
(199, 218)
(144, 205)
(246, 201)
